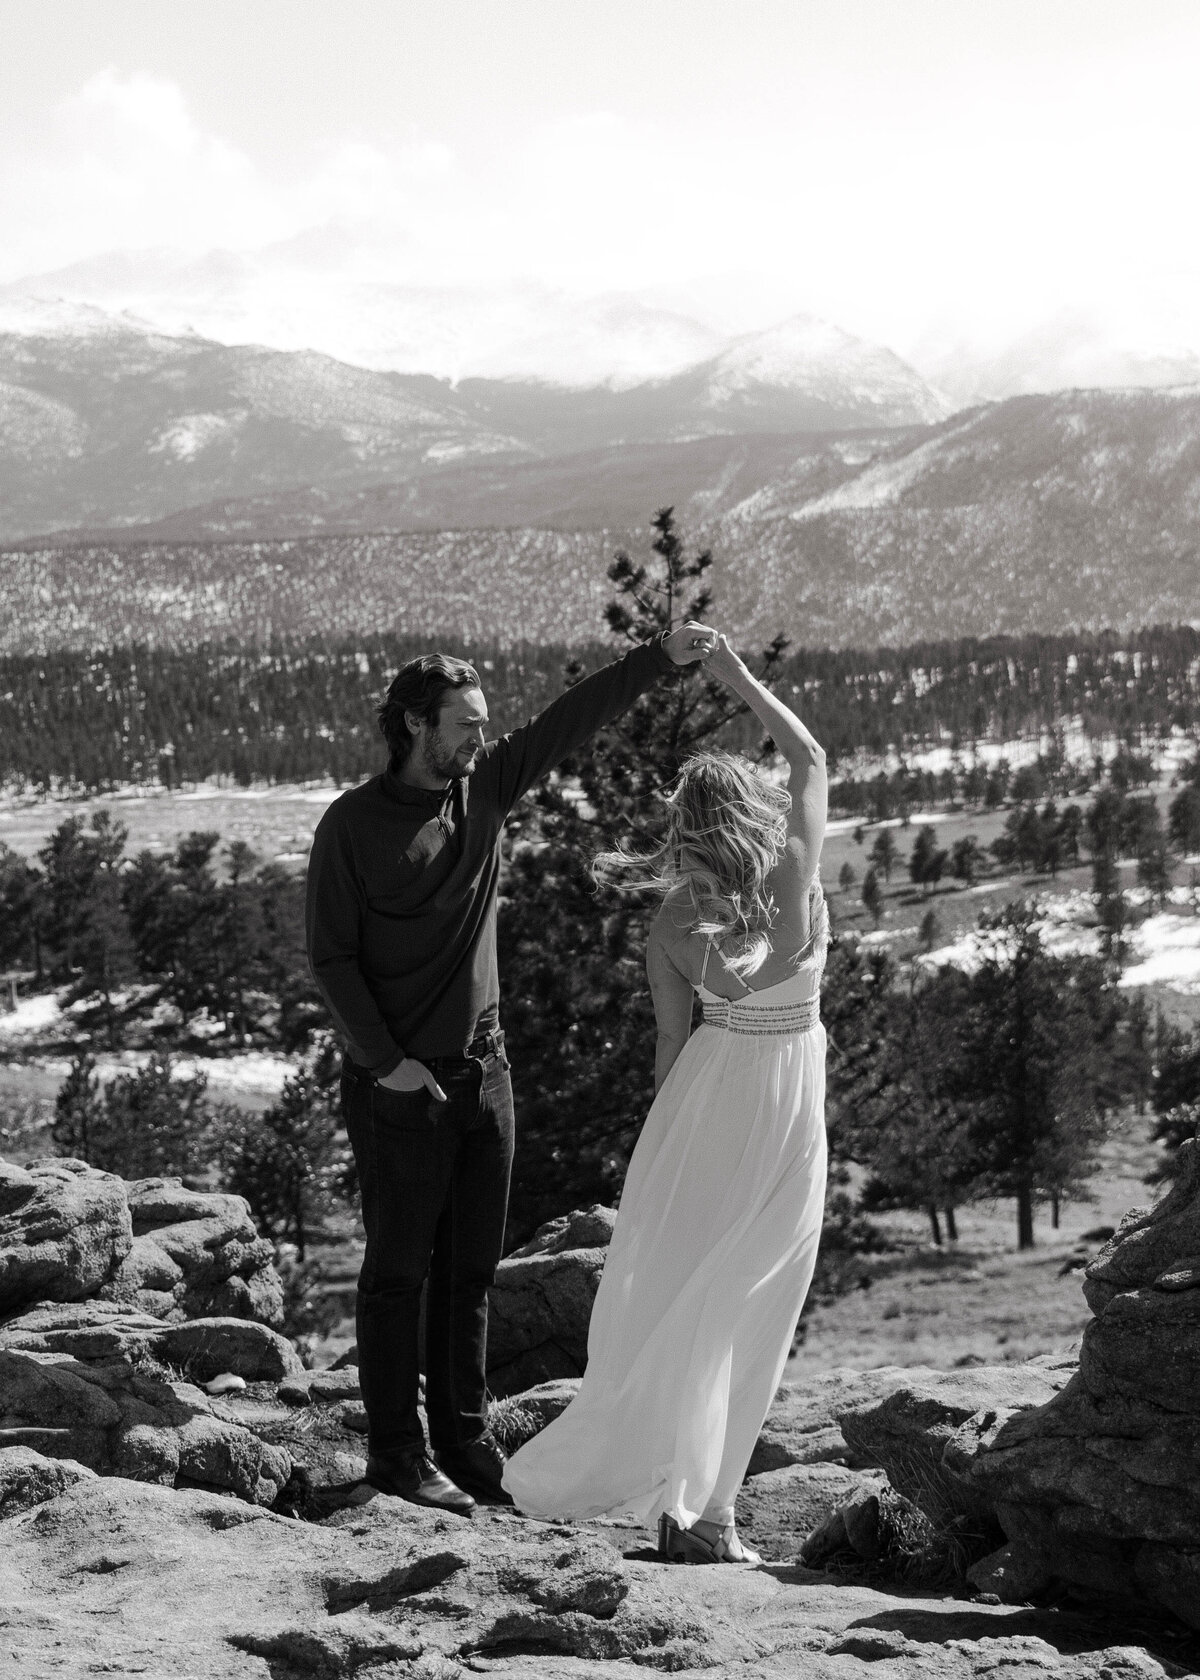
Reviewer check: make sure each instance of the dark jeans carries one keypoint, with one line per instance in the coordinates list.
(434, 1182)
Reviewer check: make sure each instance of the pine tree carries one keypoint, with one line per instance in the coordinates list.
(884, 853)
(872, 896)
(1112, 909)
(293, 1163)
(141, 1125)
(965, 858)
(576, 1005)
(104, 949)
(72, 859)
(901, 1107)
(20, 913)
(926, 861)
(1038, 1065)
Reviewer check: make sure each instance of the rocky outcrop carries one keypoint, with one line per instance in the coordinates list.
(195, 1255)
(1154, 1248)
(1101, 1487)
(541, 1302)
(65, 1228)
(118, 1422)
(69, 1232)
(803, 1425)
(199, 1349)
(1088, 1465)
(304, 1388)
(929, 1427)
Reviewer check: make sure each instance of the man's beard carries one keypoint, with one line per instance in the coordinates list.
(445, 765)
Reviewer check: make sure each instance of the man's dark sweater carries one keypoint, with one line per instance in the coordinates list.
(402, 882)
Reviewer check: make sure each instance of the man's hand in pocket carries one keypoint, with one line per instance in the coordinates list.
(410, 1075)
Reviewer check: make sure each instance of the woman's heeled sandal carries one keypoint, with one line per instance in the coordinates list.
(684, 1545)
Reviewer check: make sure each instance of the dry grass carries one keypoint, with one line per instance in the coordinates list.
(512, 1423)
(979, 1301)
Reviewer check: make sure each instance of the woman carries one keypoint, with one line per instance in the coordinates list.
(716, 1237)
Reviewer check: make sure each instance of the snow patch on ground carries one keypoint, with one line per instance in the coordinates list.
(1163, 950)
(138, 793)
(252, 1072)
(261, 1072)
(1078, 745)
(31, 1018)
(192, 433)
(882, 485)
(1167, 947)
(917, 819)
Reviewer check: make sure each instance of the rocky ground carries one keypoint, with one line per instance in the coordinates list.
(179, 1497)
(121, 1577)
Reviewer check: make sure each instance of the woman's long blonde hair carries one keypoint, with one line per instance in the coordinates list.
(726, 831)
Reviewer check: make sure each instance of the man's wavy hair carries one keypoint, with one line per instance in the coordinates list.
(420, 687)
(726, 831)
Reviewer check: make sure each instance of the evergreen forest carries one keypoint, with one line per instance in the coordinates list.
(301, 709)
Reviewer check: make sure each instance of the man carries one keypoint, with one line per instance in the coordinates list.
(402, 943)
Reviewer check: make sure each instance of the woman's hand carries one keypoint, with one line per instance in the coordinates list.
(722, 663)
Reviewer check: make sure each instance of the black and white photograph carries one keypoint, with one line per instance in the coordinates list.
(599, 839)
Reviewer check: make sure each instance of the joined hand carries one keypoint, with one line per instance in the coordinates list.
(690, 644)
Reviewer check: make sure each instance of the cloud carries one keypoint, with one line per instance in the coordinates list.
(125, 166)
(879, 202)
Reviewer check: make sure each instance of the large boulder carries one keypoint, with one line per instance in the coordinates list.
(541, 1302)
(65, 1228)
(28, 1478)
(1153, 1248)
(118, 1422)
(926, 1430)
(1101, 1486)
(195, 1255)
(803, 1424)
(200, 1348)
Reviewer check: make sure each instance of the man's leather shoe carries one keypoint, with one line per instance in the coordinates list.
(477, 1466)
(416, 1478)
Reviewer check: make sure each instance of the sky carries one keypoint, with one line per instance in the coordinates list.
(906, 168)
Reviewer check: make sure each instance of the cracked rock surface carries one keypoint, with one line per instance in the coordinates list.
(115, 1576)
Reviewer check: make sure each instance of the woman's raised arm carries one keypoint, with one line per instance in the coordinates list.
(808, 782)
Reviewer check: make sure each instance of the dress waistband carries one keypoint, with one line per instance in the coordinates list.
(740, 1015)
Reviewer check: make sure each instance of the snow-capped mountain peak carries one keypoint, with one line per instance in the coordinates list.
(807, 357)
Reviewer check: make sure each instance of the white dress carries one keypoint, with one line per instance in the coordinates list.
(710, 1260)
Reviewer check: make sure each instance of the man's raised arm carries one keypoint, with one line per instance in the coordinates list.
(529, 752)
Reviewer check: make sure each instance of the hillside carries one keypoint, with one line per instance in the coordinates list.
(589, 490)
(106, 423)
(1076, 510)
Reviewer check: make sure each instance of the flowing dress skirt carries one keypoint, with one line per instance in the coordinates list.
(710, 1260)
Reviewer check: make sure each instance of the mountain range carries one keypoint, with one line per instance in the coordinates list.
(1080, 509)
(314, 293)
(106, 422)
